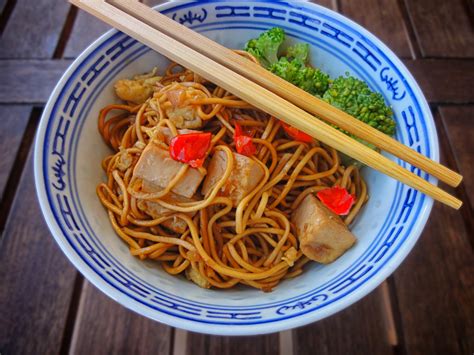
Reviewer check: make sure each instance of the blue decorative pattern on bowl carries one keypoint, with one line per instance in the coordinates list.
(69, 150)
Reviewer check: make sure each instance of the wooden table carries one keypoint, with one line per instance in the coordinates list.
(425, 307)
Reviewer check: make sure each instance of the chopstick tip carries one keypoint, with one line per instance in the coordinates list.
(458, 180)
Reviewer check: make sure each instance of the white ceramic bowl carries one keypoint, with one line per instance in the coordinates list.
(69, 150)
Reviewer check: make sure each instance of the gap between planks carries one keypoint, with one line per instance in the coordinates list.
(65, 33)
(393, 316)
(6, 12)
(18, 166)
(180, 340)
(72, 314)
(412, 39)
(69, 345)
(450, 156)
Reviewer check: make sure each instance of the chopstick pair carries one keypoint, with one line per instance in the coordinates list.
(268, 92)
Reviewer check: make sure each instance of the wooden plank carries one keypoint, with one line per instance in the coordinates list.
(103, 326)
(29, 81)
(359, 329)
(443, 28)
(444, 81)
(33, 29)
(330, 4)
(435, 283)
(180, 341)
(286, 344)
(384, 19)
(435, 287)
(206, 344)
(36, 278)
(13, 121)
(459, 123)
(86, 29)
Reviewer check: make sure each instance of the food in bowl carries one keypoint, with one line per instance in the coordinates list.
(69, 151)
(222, 192)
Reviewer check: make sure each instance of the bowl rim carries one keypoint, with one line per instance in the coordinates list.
(279, 325)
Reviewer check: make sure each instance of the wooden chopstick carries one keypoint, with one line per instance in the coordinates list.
(285, 89)
(258, 96)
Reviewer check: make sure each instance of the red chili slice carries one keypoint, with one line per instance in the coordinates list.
(190, 148)
(243, 143)
(296, 133)
(337, 199)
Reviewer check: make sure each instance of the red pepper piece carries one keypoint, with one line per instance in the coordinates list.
(337, 199)
(296, 133)
(190, 148)
(243, 143)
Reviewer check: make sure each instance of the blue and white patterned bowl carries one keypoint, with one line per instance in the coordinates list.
(69, 150)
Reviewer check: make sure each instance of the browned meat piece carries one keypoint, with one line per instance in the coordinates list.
(197, 278)
(184, 117)
(124, 161)
(138, 89)
(245, 175)
(156, 167)
(322, 234)
(155, 210)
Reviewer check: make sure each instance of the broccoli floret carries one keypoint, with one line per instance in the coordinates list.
(295, 71)
(346, 93)
(287, 70)
(265, 47)
(299, 51)
(355, 98)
